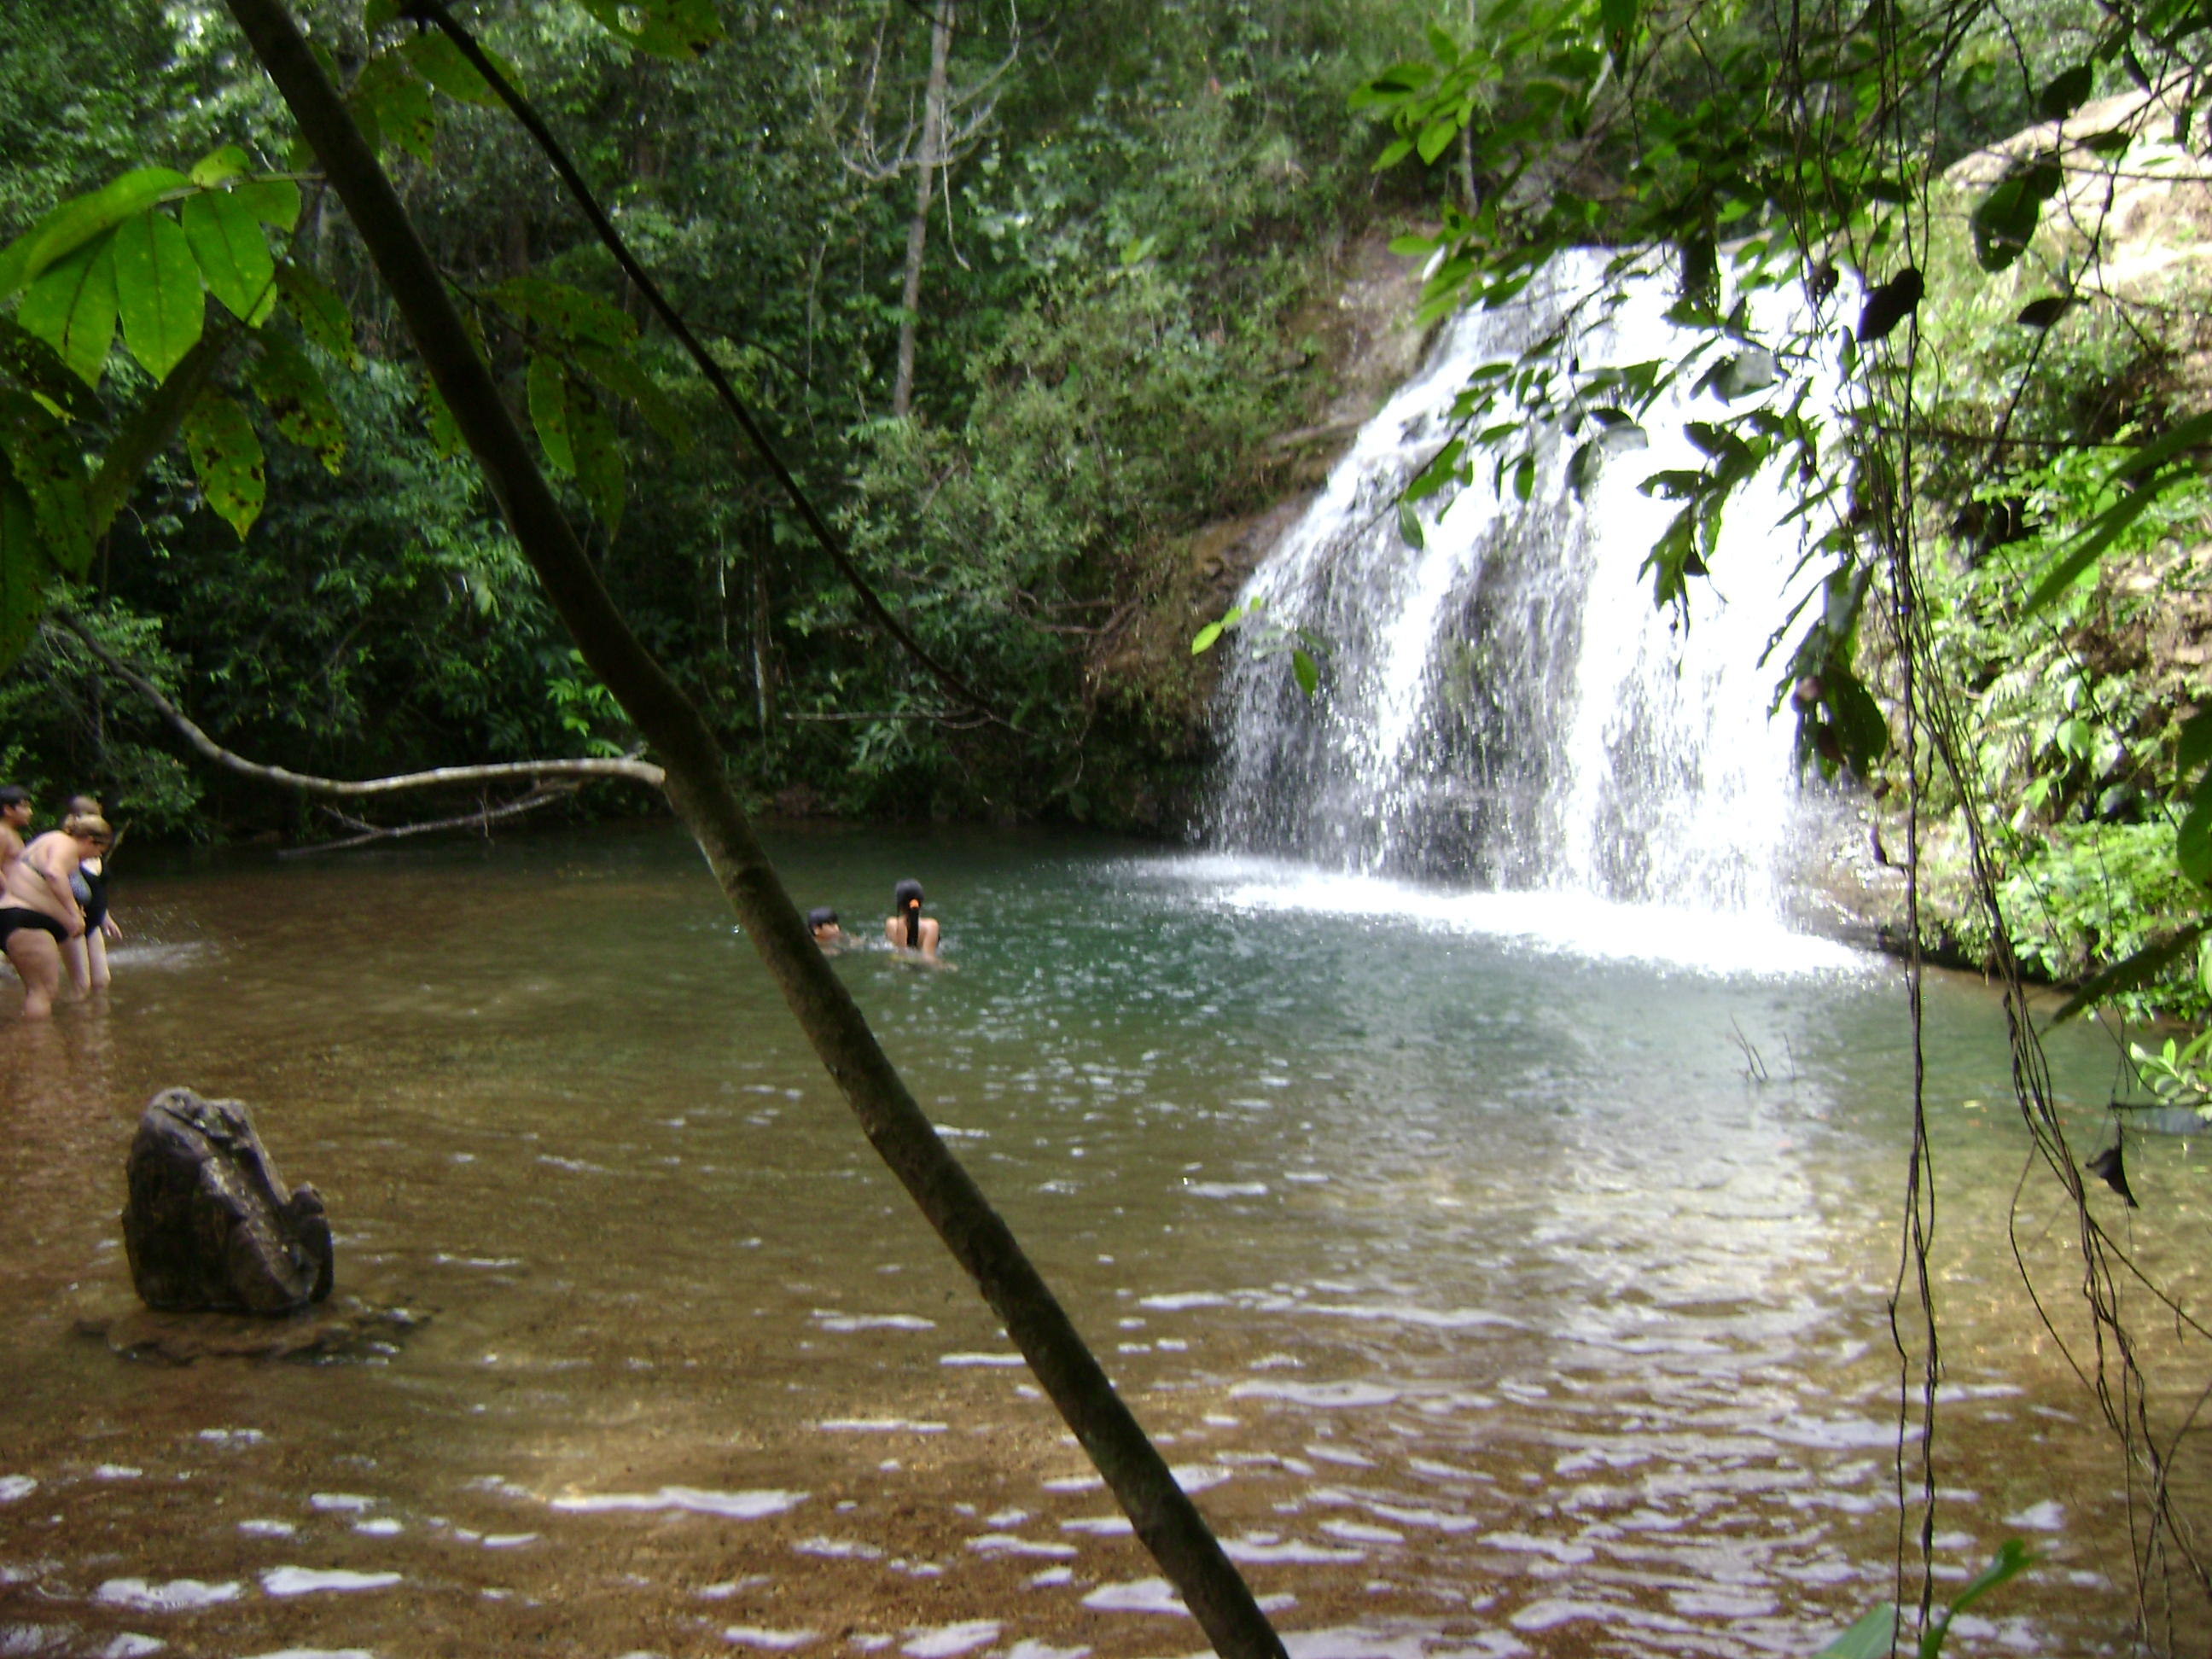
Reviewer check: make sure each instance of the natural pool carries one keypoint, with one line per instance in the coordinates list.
(1504, 1276)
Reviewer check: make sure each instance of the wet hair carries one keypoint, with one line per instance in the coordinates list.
(820, 917)
(11, 795)
(82, 806)
(88, 826)
(906, 899)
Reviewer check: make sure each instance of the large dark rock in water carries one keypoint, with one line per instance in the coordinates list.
(208, 1226)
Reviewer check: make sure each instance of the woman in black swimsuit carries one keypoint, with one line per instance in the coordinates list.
(39, 913)
(87, 958)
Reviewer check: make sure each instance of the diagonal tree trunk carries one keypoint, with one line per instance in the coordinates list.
(1162, 1515)
(917, 229)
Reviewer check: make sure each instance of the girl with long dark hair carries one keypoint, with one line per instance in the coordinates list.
(906, 928)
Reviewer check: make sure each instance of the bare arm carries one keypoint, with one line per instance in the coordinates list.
(72, 918)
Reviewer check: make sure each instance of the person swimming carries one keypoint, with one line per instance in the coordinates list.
(907, 928)
(821, 923)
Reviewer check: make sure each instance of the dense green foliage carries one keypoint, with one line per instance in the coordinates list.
(1111, 269)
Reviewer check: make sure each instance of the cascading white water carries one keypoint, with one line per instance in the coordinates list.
(1503, 706)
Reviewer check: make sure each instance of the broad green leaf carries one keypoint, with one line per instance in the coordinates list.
(216, 165)
(2003, 222)
(2103, 530)
(2066, 93)
(440, 62)
(2192, 748)
(272, 201)
(1581, 468)
(227, 457)
(1870, 1638)
(291, 389)
(33, 363)
(158, 292)
(598, 456)
(1409, 524)
(50, 469)
(569, 315)
(233, 254)
(444, 430)
(549, 411)
(322, 318)
(1205, 639)
(623, 375)
(1305, 672)
(73, 224)
(1437, 137)
(667, 28)
(2011, 1560)
(400, 103)
(2193, 846)
(25, 569)
(2041, 314)
(1524, 476)
(72, 309)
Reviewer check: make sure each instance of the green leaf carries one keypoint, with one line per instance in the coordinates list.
(1305, 672)
(227, 457)
(158, 292)
(1437, 137)
(622, 375)
(444, 430)
(440, 62)
(2011, 1560)
(1203, 641)
(219, 165)
(1409, 524)
(2192, 845)
(549, 411)
(1524, 476)
(2192, 746)
(1870, 1638)
(2041, 314)
(569, 315)
(2102, 531)
(72, 309)
(291, 389)
(73, 224)
(272, 201)
(233, 254)
(2003, 222)
(320, 315)
(1581, 468)
(2066, 93)
(25, 570)
(398, 103)
(667, 28)
(36, 365)
(50, 468)
(598, 456)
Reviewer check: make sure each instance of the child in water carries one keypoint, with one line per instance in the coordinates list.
(821, 923)
(909, 931)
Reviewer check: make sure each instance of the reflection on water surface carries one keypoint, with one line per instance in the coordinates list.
(1506, 1282)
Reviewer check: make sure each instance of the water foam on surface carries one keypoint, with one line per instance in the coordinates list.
(179, 1596)
(1576, 924)
(311, 1581)
(731, 1505)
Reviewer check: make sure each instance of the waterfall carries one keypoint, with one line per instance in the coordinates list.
(1502, 707)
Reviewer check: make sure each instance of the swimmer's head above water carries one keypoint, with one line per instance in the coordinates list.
(906, 905)
(821, 923)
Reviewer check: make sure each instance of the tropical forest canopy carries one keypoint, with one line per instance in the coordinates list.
(1027, 301)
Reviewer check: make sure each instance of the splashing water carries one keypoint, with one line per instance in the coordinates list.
(1503, 706)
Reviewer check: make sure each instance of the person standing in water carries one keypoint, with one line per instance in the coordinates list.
(14, 819)
(906, 928)
(88, 956)
(39, 913)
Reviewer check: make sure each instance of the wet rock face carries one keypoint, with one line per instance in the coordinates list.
(208, 1226)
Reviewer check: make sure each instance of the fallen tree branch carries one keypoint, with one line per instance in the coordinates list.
(637, 771)
(483, 818)
(1160, 1512)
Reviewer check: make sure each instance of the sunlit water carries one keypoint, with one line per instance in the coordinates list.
(1504, 1274)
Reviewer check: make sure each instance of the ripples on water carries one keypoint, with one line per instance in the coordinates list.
(1507, 1277)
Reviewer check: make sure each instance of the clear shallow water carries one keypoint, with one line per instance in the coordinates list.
(1506, 1275)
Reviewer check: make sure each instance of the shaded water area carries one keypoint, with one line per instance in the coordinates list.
(1505, 1274)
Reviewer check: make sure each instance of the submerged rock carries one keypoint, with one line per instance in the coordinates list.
(207, 1225)
(347, 1328)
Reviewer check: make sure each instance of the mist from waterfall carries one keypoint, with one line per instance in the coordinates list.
(1503, 708)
